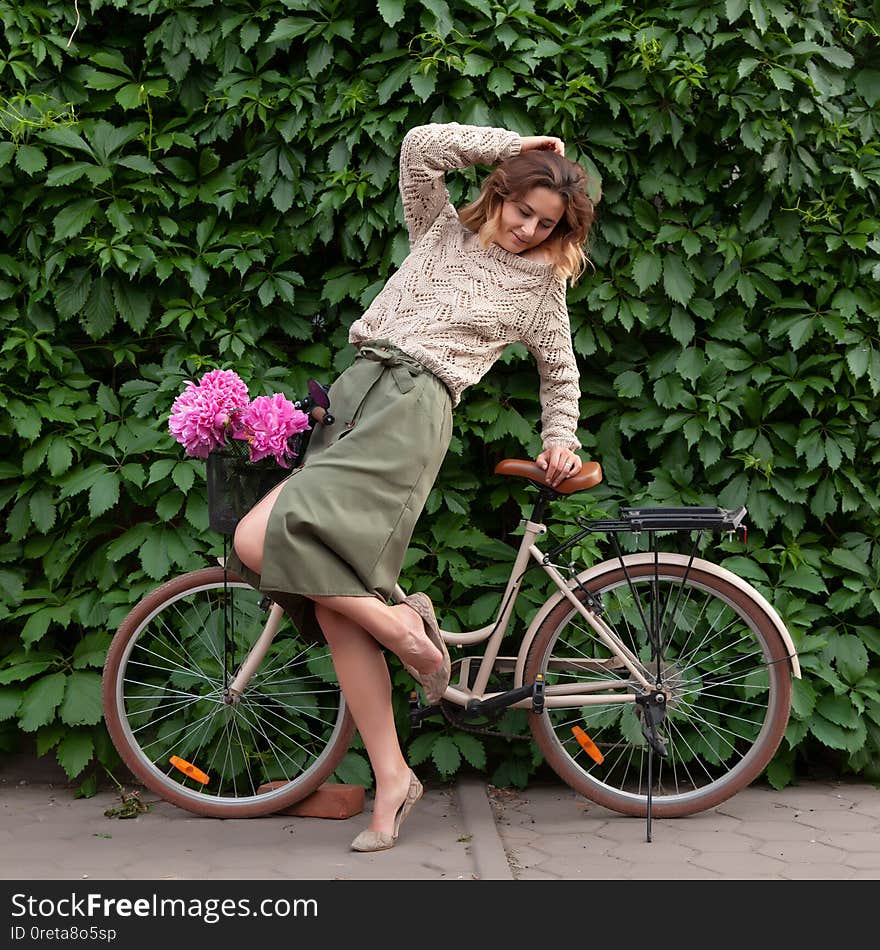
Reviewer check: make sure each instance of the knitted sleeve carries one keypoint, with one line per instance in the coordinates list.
(549, 341)
(428, 151)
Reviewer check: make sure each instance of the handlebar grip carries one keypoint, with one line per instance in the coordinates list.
(320, 414)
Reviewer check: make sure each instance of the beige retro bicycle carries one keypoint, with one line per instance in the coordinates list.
(654, 682)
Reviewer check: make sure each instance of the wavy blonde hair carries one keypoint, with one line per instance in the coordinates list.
(513, 179)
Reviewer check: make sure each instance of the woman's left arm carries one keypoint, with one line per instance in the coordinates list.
(550, 343)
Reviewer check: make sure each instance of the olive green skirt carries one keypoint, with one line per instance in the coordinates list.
(343, 521)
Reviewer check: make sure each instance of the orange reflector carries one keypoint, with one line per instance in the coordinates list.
(588, 745)
(189, 769)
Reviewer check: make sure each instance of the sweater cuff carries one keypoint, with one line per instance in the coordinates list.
(572, 444)
(514, 148)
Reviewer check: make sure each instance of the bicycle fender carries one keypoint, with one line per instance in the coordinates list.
(648, 558)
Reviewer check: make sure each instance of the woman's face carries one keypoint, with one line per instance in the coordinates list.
(525, 223)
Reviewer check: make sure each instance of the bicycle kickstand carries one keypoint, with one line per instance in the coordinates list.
(654, 712)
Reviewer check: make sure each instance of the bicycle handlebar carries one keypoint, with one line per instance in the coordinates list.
(321, 415)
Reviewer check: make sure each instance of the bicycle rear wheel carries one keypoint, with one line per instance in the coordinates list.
(164, 698)
(724, 670)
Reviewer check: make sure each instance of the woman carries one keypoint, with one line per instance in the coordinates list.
(328, 543)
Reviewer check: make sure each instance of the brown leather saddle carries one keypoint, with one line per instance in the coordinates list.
(589, 475)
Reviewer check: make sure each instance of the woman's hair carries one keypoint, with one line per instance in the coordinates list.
(513, 179)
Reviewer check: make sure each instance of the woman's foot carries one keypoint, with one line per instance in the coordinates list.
(435, 681)
(415, 648)
(392, 804)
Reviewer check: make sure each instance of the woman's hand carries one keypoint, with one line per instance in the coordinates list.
(558, 463)
(545, 142)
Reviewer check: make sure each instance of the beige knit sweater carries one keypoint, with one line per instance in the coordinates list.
(454, 305)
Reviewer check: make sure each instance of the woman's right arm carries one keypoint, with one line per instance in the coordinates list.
(429, 151)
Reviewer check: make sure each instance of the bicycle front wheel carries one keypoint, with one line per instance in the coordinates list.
(722, 665)
(168, 710)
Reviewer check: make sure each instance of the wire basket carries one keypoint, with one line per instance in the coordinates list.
(234, 486)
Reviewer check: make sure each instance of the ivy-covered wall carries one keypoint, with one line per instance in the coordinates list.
(191, 185)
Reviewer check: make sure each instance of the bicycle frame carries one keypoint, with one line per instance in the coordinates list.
(493, 634)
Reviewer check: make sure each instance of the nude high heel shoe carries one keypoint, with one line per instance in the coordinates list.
(381, 840)
(434, 683)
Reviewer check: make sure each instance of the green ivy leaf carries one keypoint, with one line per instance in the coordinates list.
(30, 159)
(391, 10)
(851, 659)
(91, 650)
(82, 705)
(40, 701)
(10, 700)
(75, 751)
(647, 268)
(104, 493)
(677, 281)
(446, 756)
(472, 749)
(74, 217)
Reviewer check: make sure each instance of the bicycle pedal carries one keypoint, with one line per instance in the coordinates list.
(418, 711)
(538, 694)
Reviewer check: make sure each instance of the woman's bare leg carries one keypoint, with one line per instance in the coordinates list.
(397, 627)
(250, 532)
(366, 685)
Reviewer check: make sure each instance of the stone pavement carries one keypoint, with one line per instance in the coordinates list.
(825, 830)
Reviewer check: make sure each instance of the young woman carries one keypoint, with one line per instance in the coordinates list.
(328, 543)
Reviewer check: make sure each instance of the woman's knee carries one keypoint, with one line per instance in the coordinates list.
(248, 544)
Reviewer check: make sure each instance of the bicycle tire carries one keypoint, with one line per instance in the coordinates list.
(727, 707)
(162, 693)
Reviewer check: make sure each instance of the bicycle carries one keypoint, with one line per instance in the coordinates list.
(651, 658)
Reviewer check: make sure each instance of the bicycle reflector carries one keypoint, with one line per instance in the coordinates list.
(587, 744)
(189, 769)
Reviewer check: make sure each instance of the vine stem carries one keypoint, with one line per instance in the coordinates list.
(76, 25)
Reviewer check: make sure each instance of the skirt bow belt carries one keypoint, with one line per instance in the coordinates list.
(385, 355)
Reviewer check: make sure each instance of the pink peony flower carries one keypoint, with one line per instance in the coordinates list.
(201, 413)
(267, 424)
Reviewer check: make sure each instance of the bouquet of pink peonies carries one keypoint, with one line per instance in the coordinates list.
(217, 409)
(215, 419)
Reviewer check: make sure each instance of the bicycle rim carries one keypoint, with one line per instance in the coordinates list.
(164, 685)
(723, 668)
